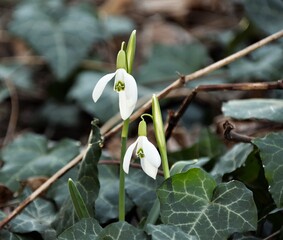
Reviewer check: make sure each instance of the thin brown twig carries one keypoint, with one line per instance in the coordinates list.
(14, 111)
(272, 235)
(182, 80)
(241, 86)
(174, 117)
(231, 135)
(43, 188)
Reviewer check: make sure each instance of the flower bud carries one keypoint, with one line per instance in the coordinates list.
(142, 128)
(121, 61)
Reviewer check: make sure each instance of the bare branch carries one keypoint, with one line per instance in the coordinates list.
(174, 117)
(231, 135)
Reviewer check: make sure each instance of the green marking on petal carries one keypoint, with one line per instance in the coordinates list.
(140, 153)
(119, 86)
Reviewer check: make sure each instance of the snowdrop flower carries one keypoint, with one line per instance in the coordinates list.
(146, 151)
(125, 85)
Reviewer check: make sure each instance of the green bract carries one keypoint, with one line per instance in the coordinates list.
(158, 123)
(131, 50)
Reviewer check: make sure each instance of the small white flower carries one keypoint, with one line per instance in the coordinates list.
(148, 154)
(125, 85)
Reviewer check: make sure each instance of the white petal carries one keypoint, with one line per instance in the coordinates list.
(131, 91)
(151, 160)
(151, 154)
(120, 75)
(99, 87)
(123, 106)
(128, 156)
(149, 169)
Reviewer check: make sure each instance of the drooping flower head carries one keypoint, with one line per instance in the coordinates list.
(145, 151)
(124, 84)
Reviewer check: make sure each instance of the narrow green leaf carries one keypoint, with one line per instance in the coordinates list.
(121, 231)
(78, 202)
(85, 229)
(87, 182)
(266, 109)
(193, 202)
(167, 232)
(58, 191)
(131, 50)
(271, 153)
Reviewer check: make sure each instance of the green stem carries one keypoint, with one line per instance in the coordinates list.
(124, 137)
(155, 210)
(164, 160)
(153, 214)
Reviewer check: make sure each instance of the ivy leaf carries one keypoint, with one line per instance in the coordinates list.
(266, 109)
(87, 182)
(31, 155)
(6, 235)
(271, 153)
(233, 159)
(142, 189)
(62, 35)
(167, 232)
(19, 75)
(264, 64)
(67, 115)
(118, 25)
(58, 191)
(267, 15)
(166, 61)
(37, 216)
(121, 231)
(106, 204)
(183, 166)
(193, 200)
(65, 218)
(86, 229)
